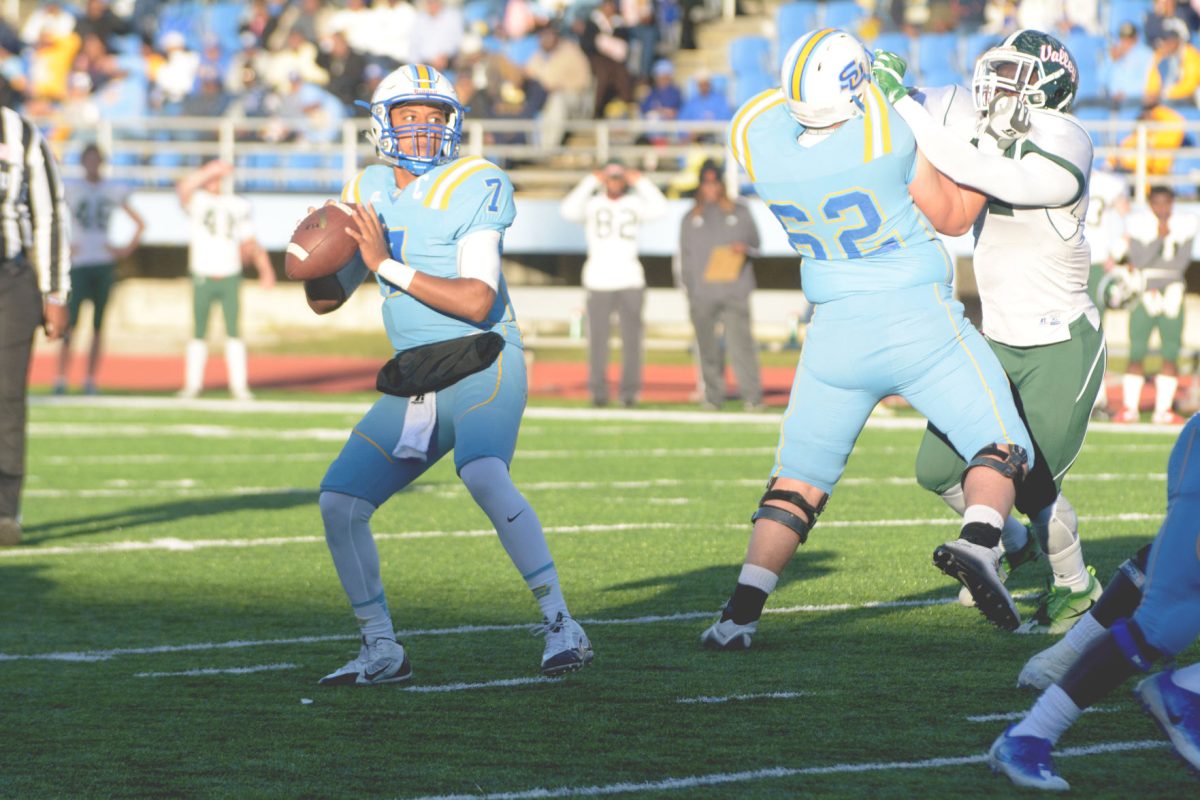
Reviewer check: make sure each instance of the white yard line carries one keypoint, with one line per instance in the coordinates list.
(736, 697)
(174, 544)
(86, 656)
(461, 687)
(187, 673)
(728, 778)
(1011, 716)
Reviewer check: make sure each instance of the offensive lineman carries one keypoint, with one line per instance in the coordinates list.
(825, 152)
(430, 227)
(1030, 170)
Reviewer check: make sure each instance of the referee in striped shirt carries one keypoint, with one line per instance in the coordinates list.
(35, 264)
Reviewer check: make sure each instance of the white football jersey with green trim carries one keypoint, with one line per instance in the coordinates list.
(1031, 263)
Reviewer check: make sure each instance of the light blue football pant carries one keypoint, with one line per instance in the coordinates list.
(478, 416)
(912, 342)
(1169, 614)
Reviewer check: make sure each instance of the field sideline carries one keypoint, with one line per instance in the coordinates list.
(174, 603)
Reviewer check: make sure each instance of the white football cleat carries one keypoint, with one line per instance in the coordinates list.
(978, 569)
(567, 646)
(386, 662)
(725, 634)
(347, 674)
(1046, 668)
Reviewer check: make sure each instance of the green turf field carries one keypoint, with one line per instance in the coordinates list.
(166, 623)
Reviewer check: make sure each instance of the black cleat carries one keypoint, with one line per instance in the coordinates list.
(978, 569)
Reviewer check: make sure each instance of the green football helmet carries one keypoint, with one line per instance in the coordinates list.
(1030, 64)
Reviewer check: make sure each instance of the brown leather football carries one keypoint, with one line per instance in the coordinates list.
(320, 245)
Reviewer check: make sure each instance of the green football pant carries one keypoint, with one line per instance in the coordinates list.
(206, 292)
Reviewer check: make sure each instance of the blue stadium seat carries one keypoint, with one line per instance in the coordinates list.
(844, 14)
(975, 45)
(222, 21)
(519, 51)
(1120, 11)
(749, 54)
(186, 18)
(937, 55)
(894, 42)
(748, 84)
(793, 20)
(720, 85)
(1088, 51)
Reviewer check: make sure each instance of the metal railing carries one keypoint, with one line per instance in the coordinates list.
(158, 151)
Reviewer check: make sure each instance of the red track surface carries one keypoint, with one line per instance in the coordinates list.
(329, 374)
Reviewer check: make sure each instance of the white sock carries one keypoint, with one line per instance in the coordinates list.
(1014, 535)
(348, 534)
(1131, 389)
(1083, 633)
(195, 357)
(235, 364)
(1187, 678)
(1050, 716)
(1164, 392)
(758, 577)
(520, 531)
(984, 514)
(1058, 528)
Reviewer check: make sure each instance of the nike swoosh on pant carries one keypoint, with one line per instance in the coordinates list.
(514, 516)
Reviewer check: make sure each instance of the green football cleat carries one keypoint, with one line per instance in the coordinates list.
(1031, 553)
(1059, 608)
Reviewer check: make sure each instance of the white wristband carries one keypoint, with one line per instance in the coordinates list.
(396, 273)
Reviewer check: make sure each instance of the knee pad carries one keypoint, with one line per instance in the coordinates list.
(1036, 490)
(1062, 529)
(796, 524)
(340, 512)
(1013, 465)
(1133, 645)
(955, 498)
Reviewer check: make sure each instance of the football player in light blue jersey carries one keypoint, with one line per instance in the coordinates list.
(429, 226)
(841, 172)
(1150, 612)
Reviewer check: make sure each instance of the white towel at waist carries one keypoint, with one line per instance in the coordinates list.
(419, 420)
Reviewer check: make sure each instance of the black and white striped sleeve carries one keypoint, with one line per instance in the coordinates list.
(51, 252)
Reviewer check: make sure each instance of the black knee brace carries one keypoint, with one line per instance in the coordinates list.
(1013, 465)
(1123, 593)
(793, 522)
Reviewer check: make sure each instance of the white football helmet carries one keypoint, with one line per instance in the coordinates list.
(431, 144)
(824, 76)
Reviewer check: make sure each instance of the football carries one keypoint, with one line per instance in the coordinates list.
(320, 245)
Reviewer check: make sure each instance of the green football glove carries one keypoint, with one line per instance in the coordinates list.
(888, 71)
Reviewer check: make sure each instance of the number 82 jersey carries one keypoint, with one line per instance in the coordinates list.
(844, 201)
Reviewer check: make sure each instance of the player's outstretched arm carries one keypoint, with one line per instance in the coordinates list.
(1033, 181)
(951, 209)
(470, 298)
(188, 185)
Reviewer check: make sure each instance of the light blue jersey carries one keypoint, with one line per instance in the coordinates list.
(425, 222)
(885, 321)
(859, 233)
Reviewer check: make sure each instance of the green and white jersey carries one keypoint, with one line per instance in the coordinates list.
(219, 224)
(92, 205)
(1105, 224)
(1031, 259)
(1162, 261)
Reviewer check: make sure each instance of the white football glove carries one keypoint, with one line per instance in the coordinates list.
(1006, 121)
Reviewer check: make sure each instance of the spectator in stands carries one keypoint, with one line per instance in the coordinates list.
(92, 201)
(214, 57)
(345, 69)
(209, 99)
(258, 20)
(93, 60)
(715, 239)
(1164, 140)
(313, 114)
(253, 100)
(1175, 74)
(643, 37)
(563, 71)
(251, 56)
(358, 24)
(1126, 71)
(436, 34)
(1165, 10)
(78, 108)
(612, 274)
(176, 78)
(664, 100)
(706, 104)
(520, 19)
(296, 56)
(50, 64)
(98, 19)
(49, 21)
(604, 40)
(309, 18)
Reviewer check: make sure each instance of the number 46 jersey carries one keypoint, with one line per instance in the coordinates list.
(843, 201)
